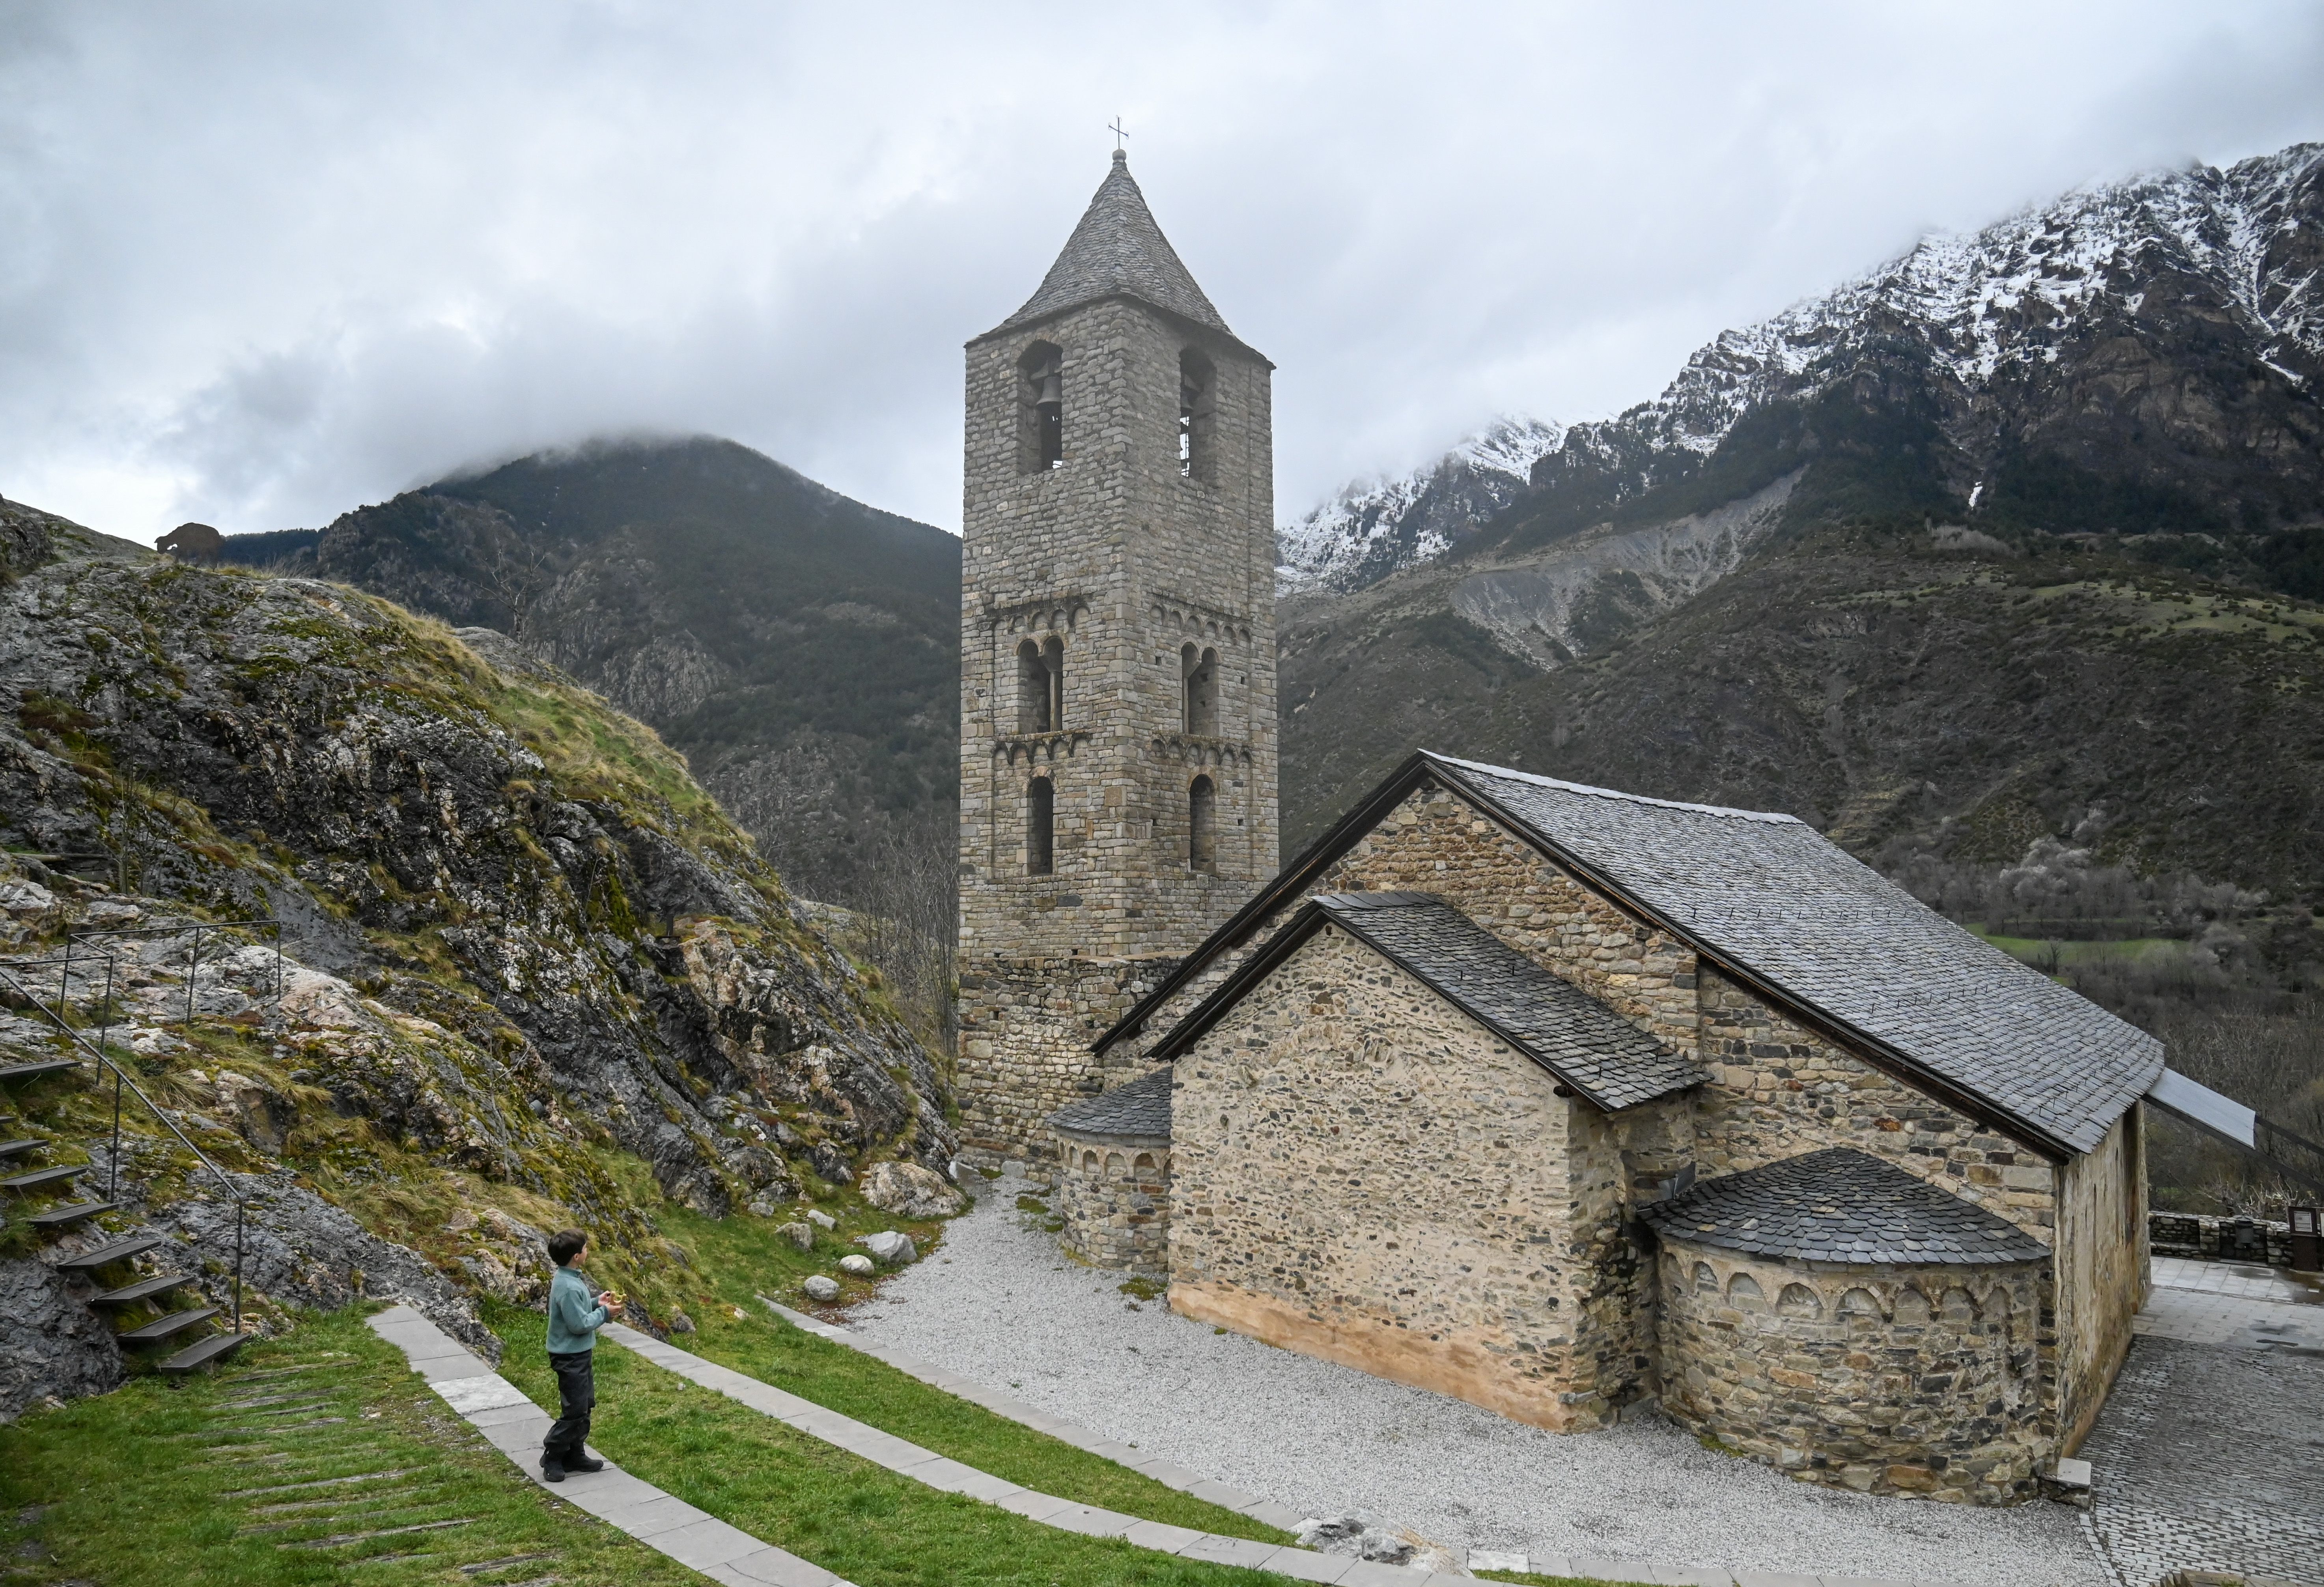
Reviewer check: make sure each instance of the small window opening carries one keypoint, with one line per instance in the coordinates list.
(1041, 409)
(1200, 669)
(1196, 414)
(1201, 817)
(1040, 827)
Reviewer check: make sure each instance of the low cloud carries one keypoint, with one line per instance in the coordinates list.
(260, 264)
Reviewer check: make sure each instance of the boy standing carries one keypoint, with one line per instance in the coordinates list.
(574, 1319)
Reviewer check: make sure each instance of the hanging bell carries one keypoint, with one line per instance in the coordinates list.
(1052, 393)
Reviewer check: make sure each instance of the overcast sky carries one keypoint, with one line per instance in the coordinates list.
(261, 264)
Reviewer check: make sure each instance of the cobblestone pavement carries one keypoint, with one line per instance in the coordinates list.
(2210, 1455)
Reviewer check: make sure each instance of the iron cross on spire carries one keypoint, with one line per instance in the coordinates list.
(1115, 128)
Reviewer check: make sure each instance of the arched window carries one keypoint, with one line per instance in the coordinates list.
(1040, 409)
(1053, 663)
(1202, 822)
(1199, 671)
(1196, 407)
(1040, 827)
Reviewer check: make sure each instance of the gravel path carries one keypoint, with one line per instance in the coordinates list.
(999, 1304)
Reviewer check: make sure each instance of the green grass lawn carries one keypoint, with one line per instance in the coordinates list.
(2033, 949)
(847, 1514)
(152, 1487)
(742, 1258)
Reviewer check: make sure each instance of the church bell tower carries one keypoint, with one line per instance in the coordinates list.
(1117, 710)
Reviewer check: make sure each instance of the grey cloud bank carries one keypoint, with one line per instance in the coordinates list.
(261, 264)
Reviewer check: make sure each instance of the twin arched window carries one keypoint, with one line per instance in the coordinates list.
(1199, 672)
(1041, 686)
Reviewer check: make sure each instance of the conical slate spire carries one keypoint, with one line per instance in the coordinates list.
(1118, 250)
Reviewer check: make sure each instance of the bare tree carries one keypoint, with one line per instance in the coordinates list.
(516, 574)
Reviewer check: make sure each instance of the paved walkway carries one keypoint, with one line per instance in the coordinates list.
(2209, 1453)
(949, 1476)
(514, 1425)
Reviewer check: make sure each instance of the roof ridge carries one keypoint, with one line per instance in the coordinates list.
(1774, 817)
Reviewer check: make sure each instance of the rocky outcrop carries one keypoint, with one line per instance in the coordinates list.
(513, 924)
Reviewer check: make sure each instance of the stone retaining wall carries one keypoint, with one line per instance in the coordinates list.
(1901, 1380)
(2202, 1238)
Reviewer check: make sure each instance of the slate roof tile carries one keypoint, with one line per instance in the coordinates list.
(1140, 1107)
(1839, 1206)
(1584, 1042)
(1118, 250)
(1773, 895)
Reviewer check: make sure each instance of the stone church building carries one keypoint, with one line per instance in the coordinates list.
(1559, 1100)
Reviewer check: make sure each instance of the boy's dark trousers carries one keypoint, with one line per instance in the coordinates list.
(577, 1393)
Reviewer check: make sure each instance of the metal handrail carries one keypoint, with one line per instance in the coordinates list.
(120, 1079)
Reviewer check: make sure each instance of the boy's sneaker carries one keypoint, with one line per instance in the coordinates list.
(582, 1462)
(551, 1471)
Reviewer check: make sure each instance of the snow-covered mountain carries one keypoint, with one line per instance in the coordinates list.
(1374, 527)
(2140, 354)
(2143, 356)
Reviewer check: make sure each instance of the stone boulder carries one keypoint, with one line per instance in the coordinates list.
(911, 1191)
(822, 1219)
(821, 1288)
(890, 1248)
(800, 1234)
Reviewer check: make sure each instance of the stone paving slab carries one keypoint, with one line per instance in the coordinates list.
(666, 1524)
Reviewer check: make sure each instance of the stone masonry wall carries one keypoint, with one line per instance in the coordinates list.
(1905, 1380)
(2104, 1266)
(1025, 1032)
(1777, 1091)
(1436, 842)
(1112, 1194)
(1122, 560)
(1362, 1173)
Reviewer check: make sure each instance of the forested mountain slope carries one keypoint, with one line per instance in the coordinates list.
(798, 648)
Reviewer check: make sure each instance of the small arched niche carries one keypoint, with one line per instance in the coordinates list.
(1145, 1161)
(1958, 1305)
(1913, 1306)
(1743, 1292)
(1706, 1282)
(1859, 1309)
(1040, 409)
(1799, 1301)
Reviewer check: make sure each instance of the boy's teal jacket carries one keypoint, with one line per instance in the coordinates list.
(574, 1314)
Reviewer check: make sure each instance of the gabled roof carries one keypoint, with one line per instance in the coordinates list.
(1773, 903)
(1573, 1036)
(1839, 1206)
(1118, 251)
(1139, 1108)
